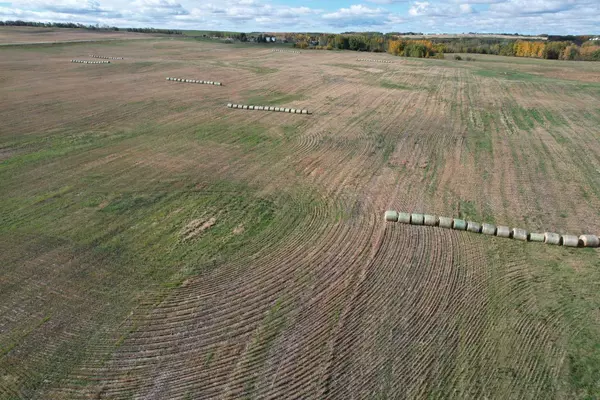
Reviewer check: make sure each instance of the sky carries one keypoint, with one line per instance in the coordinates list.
(427, 16)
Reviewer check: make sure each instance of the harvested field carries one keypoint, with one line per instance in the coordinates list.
(156, 244)
(31, 35)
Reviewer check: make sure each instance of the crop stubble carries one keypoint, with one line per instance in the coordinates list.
(326, 301)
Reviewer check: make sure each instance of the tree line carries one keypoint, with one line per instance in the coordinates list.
(88, 27)
(555, 48)
(550, 50)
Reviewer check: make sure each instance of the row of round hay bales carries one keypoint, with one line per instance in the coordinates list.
(285, 51)
(268, 108)
(90, 62)
(107, 58)
(380, 61)
(493, 230)
(194, 81)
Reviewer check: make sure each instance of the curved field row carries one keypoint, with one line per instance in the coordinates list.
(295, 289)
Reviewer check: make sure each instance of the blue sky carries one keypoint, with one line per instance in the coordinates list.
(429, 16)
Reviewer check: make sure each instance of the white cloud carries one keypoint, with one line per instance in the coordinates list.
(466, 8)
(387, 1)
(533, 6)
(357, 17)
(542, 16)
(159, 8)
(418, 8)
(353, 12)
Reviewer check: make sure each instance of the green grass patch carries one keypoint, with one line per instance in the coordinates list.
(244, 136)
(257, 69)
(510, 75)
(271, 97)
(33, 150)
(348, 66)
(395, 85)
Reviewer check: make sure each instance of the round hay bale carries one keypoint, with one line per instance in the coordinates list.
(404, 218)
(552, 238)
(536, 237)
(287, 110)
(519, 234)
(304, 112)
(276, 108)
(293, 110)
(445, 222)
(229, 105)
(261, 108)
(271, 108)
(298, 111)
(245, 107)
(417, 219)
(474, 227)
(391, 216)
(459, 224)
(570, 241)
(250, 107)
(589, 241)
(488, 229)
(503, 231)
(430, 220)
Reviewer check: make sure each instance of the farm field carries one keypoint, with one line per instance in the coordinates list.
(30, 35)
(156, 244)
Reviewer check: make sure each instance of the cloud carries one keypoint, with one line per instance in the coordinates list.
(466, 8)
(65, 7)
(353, 11)
(427, 9)
(543, 16)
(418, 8)
(387, 1)
(357, 16)
(513, 7)
(159, 8)
(478, 1)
